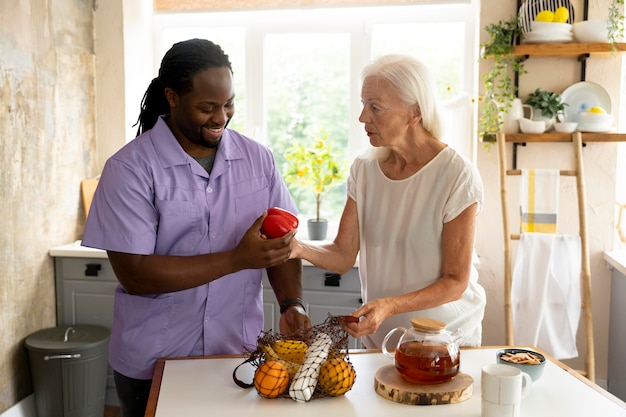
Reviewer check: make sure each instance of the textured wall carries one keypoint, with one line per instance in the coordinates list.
(46, 148)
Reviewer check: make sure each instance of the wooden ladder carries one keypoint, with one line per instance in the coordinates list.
(586, 315)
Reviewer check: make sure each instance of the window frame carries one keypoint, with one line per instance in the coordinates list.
(325, 20)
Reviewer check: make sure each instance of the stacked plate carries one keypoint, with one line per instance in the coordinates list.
(548, 32)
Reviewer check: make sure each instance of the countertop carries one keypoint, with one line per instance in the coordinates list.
(75, 250)
(616, 259)
(198, 387)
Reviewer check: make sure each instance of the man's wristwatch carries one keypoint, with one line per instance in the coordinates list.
(289, 302)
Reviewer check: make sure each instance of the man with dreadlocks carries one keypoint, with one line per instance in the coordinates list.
(179, 211)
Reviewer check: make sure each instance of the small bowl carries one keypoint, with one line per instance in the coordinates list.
(565, 127)
(591, 31)
(534, 370)
(553, 27)
(595, 120)
(532, 126)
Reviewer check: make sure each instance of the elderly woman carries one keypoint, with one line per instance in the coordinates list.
(410, 213)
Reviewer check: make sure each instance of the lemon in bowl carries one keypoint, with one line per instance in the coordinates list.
(596, 118)
(561, 15)
(597, 110)
(545, 16)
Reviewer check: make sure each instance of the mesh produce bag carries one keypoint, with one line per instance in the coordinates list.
(302, 365)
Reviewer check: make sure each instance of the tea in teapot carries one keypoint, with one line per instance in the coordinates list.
(426, 353)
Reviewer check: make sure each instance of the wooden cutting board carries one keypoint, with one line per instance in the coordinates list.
(87, 189)
(389, 384)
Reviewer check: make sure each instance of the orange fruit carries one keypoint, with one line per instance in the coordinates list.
(271, 379)
(336, 377)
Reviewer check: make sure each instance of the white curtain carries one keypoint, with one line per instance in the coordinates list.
(458, 127)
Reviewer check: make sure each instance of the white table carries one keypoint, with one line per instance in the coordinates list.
(204, 386)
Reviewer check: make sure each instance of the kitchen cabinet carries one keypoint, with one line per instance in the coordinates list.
(323, 293)
(84, 295)
(85, 284)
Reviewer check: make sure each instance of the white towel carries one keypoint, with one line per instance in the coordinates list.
(539, 200)
(545, 293)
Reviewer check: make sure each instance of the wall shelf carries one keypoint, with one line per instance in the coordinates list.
(552, 50)
(564, 137)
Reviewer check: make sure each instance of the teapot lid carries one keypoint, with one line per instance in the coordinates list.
(428, 325)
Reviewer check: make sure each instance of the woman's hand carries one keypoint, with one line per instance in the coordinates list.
(371, 316)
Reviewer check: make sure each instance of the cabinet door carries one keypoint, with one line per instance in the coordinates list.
(88, 303)
(271, 310)
(321, 303)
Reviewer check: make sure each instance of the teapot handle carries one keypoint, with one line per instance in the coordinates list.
(386, 339)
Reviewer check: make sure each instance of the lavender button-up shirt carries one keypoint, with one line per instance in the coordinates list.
(153, 198)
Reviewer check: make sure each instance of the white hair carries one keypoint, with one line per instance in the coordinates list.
(414, 83)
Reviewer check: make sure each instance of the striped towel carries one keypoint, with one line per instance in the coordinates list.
(539, 200)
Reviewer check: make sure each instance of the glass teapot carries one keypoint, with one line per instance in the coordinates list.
(426, 353)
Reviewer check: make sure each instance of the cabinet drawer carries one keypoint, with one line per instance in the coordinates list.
(317, 279)
(91, 269)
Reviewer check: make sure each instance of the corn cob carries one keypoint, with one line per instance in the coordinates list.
(305, 381)
(291, 350)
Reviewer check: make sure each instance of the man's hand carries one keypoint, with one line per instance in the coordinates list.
(294, 318)
(256, 252)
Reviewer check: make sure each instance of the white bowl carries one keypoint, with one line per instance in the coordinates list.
(532, 126)
(536, 26)
(565, 127)
(591, 31)
(595, 120)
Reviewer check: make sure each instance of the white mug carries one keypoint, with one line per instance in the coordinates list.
(502, 390)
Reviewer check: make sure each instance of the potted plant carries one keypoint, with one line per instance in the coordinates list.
(546, 105)
(499, 88)
(315, 166)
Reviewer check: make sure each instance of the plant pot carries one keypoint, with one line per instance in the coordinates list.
(317, 229)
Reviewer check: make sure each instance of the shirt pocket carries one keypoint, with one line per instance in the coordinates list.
(249, 206)
(141, 328)
(180, 227)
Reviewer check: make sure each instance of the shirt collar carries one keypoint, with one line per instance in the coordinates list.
(171, 153)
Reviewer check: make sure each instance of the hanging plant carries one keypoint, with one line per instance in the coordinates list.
(615, 24)
(498, 83)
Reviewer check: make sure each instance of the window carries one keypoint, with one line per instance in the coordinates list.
(299, 70)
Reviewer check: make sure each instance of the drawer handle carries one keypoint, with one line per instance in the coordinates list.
(68, 356)
(332, 279)
(91, 270)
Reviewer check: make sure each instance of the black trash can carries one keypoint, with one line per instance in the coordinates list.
(69, 370)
